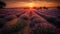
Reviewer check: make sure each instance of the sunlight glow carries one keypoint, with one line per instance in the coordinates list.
(30, 5)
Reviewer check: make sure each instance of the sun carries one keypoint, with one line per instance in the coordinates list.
(31, 5)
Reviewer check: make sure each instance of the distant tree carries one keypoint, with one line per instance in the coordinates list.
(40, 7)
(2, 4)
(58, 7)
(45, 7)
(34, 7)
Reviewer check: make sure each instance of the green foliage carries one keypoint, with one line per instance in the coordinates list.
(48, 31)
(9, 18)
(40, 30)
(52, 20)
(18, 15)
(19, 26)
(25, 17)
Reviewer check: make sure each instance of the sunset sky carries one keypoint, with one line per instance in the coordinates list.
(35, 3)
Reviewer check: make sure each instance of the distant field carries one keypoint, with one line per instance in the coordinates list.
(25, 21)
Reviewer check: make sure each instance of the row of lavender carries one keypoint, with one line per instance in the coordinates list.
(7, 15)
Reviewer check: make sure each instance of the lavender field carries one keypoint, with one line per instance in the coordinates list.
(25, 21)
